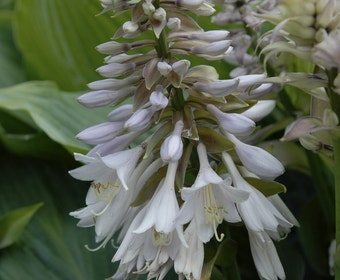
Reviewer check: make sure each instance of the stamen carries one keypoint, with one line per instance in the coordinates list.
(214, 213)
(95, 249)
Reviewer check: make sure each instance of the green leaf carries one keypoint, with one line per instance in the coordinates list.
(52, 246)
(13, 223)
(315, 236)
(57, 39)
(55, 112)
(292, 260)
(220, 255)
(268, 188)
(11, 71)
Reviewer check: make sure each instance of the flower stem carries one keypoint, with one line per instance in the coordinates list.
(162, 47)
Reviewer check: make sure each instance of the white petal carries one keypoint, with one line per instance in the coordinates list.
(257, 160)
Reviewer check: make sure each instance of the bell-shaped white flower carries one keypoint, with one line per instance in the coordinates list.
(257, 160)
(257, 212)
(266, 259)
(236, 124)
(189, 260)
(124, 162)
(163, 208)
(104, 199)
(149, 251)
(210, 200)
(172, 147)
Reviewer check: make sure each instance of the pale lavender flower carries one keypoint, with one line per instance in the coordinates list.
(101, 133)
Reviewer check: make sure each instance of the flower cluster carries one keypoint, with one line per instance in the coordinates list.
(172, 161)
(308, 30)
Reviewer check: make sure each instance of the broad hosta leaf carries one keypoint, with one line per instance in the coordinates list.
(11, 71)
(51, 246)
(55, 112)
(315, 237)
(13, 223)
(57, 39)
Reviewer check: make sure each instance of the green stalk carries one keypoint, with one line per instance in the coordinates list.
(336, 143)
(335, 105)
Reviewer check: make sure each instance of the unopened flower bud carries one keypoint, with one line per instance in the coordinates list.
(250, 80)
(121, 113)
(148, 8)
(261, 109)
(99, 98)
(113, 70)
(139, 120)
(172, 147)
(130, 27)
(210, 36)
(100, 133)
(164, 68)
(231, 122)
(212, 49)
(190, 4)
(257, 160)
(158, 21)
(174, 23)
(219, 87)
(181, 67)
(113, 48)
(157, 99)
